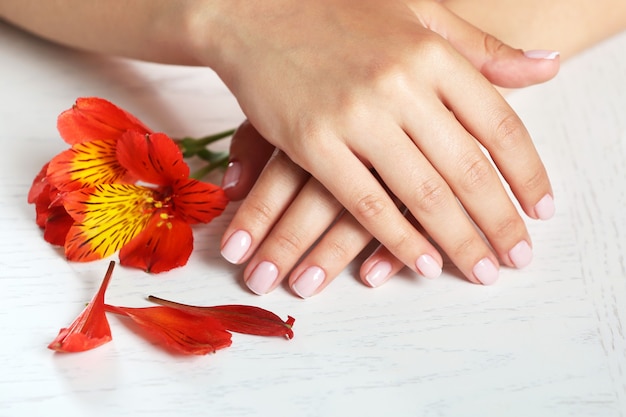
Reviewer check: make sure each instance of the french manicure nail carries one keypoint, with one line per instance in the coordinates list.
(541, 54)
(485, 271)
(310, 280)
(262, 278)
(428, 267)
(378, 273)
(521, 254)
(236, 246)
(544, 209)
(232, 174)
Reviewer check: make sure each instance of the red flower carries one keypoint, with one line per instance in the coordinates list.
(88, 198)
(91, 328)
(149, 223)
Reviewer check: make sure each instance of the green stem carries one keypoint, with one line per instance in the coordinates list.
(191, 146)
(218, 160)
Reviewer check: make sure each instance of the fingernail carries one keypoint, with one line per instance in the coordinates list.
(232, 174)
(485, 271)
(310, 280)
(378, 274)
(544, 209)
(428, 267)
(521, 254)
(541, 54)
(262, 278)
(236, 246)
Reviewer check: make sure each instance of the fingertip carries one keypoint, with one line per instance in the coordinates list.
(377, 274)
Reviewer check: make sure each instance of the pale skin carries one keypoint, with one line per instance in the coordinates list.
(346, 87)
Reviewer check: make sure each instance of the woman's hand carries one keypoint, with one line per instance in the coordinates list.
(374, 104)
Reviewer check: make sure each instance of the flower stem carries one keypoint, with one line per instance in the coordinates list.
(216, 160)
(192, 146)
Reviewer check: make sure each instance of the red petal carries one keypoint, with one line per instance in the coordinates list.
(198, 202)
(239, 318)
(95, 118)
(178, 330)
(164, 244)
(155, 158)
(91, 328)
(52, 216)
(39, 183)
(57, 226)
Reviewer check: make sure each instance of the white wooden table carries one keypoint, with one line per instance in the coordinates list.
(546, 341)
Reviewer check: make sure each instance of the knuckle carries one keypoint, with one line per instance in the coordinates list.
(506, 227)
(477, 172)
(535, 181)
(338, 250)
(260, 213)
(288, 241)
(402, 240)
(492, 45)
(462, 248)
(369, 207)
(509, 131)
(430, 196)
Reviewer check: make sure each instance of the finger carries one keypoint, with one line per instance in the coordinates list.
(249, 152)
(381, 265)
(487, 116)
(363, 196)
(501, 64)
(277, 186)
(477, 186)
(306, 219)
(338, 247)
(331, 255)
(431, 200)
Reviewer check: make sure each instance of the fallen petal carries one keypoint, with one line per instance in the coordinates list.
(239, 318)
(177, 330)
(91, 328)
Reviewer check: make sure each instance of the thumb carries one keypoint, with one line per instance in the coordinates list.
(249, 152)
(501, 64)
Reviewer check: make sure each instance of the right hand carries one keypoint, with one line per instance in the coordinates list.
(359, 86)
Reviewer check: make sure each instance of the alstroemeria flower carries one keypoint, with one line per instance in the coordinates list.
(239, 318)
(149, 223)
(91, 119)
(91, 328)
(178, 330)
(120, 187)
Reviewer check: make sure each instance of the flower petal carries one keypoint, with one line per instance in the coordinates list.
(107, 217)
(95, 118)
(91, 328)
(154, 158)
(178, 330)
(239, 318)
(38, 185)
(165, 243)
(198, 202)
(87, 164)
